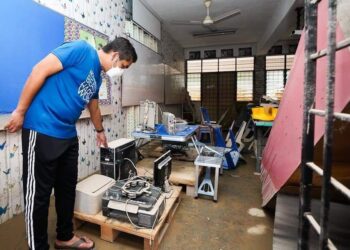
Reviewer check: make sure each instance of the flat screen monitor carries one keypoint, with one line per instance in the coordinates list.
(162, 171)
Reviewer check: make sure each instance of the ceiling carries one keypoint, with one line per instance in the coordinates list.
(261, 22)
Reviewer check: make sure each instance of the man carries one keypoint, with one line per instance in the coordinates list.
(57, 90)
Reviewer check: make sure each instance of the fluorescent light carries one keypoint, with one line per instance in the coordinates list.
(215, 33)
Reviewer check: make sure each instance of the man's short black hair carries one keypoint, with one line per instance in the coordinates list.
(123, 47)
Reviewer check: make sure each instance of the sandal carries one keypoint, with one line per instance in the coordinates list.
(76, 245)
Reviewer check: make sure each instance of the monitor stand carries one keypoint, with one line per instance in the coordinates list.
(166, 187)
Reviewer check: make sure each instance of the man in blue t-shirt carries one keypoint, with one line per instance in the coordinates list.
(56, 92)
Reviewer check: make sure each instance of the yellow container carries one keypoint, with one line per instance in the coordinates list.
(264, 113)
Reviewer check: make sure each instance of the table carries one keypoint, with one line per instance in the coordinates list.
(259, 128)
(161, 134)
(206, 187)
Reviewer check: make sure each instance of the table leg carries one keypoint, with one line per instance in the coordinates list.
(197, 180)
(194, 140)
(216, 184)
(259, 148)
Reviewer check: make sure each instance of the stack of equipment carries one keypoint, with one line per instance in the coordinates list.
(135, 201)
(173, 124)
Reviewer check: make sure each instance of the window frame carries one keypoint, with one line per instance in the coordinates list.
(218, 71)
(285, 69)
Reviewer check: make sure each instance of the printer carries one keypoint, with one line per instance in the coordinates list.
(89, 193)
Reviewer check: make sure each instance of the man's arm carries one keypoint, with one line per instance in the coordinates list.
(45, 68)
(96, 119)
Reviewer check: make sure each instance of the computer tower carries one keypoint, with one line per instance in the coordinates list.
(113, 160)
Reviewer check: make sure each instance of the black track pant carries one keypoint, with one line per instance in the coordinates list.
(48, 163)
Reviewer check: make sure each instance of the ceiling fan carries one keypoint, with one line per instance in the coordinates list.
(208, 20)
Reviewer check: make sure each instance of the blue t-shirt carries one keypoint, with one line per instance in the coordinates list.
(64, 95)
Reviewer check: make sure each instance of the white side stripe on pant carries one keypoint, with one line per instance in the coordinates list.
(30, 189)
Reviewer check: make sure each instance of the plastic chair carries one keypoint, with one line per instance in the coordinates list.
(248, 135)
(232, 153)
(238, 138)
(205, 116)
(206, 128)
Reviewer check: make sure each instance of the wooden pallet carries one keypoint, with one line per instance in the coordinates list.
(110, 228)
(182, 173)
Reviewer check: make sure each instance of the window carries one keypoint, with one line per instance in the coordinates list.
(245, 69)
(275, 62)
(138, 33)
(277, 71)
(226, 53)
(289, 61)
(274, 83)
(245, 64)
(194, 66)
(194, 86)
(194, 55)
(210, 65)
(275, 50)
(210, 54)
(245, 86)
(194, 69)
(224, 67)
(227, 64)
(245, 52)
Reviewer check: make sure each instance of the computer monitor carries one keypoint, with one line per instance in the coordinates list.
(162, 171)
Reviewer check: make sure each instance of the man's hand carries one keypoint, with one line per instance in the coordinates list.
(16, 121)
(101, 140)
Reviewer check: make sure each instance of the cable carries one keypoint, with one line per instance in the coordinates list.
(146, 179)
(127, 214)
(156, 221)
(133, 164)
(170, 194)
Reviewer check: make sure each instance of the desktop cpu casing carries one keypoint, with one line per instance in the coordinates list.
(112, 159)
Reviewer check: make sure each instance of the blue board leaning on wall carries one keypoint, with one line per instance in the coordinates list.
(25, 39)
